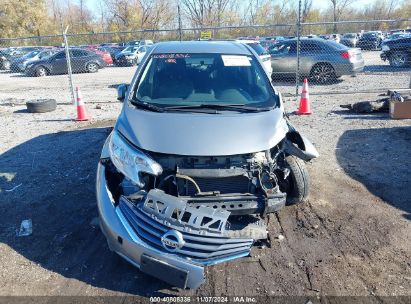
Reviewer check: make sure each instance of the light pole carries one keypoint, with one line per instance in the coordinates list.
(179, 21)
(297, 72)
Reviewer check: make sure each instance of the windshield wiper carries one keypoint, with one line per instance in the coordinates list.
(227, 107)
(146, 106)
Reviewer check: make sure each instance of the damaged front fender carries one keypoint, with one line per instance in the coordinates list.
(298, 145)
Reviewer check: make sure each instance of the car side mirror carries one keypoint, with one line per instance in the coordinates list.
(122, 91)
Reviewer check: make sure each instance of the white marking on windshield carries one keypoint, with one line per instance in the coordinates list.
(235, 60)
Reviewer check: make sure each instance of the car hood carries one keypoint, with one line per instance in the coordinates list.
(198, 134)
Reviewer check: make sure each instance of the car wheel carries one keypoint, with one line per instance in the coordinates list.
(41, 105)
(6, 65)
(398, 59)
(297, 183)
(322, 73)
(92, 67)
(40, 71)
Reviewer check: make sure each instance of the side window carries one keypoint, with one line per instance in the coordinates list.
(79, 53)
(293, 48)
(279, 49)
(61, 55)
(310, 48)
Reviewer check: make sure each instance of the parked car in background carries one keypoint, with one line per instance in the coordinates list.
(139, 42)
(370, 40)
(267, 44)
(19, 64)
(109, 45)
(113, 51)
(335, 37)
(103, 55)
(131, 55)
(10, 54)
(397, 51)
(5, 54)
(349, 39)
(395, 35)
(82, 60)
(261, 52)
(321, 60)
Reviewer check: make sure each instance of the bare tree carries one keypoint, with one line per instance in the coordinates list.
(338, 7)
(306, 9)
(205, 12)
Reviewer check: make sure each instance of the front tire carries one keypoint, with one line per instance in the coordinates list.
(92, 67)
(297, 183)
(398, 59)
(40, 71)
(6, 65)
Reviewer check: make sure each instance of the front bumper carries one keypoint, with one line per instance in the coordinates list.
(123, 240)
(125, 61)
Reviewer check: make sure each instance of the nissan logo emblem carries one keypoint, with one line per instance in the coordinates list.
(172, 240)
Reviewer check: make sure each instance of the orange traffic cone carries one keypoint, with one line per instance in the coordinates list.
(304, 108)
(81, 108)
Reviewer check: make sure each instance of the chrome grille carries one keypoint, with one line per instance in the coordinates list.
(202, 248)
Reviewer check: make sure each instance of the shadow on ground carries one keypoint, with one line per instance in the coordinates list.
(383, 68)
(284, 80)
(364, 155)
(55, 175)
(349, 114)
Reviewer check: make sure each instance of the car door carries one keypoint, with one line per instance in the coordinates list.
(280, 58)
(78, 60)
(292, 57)
(310, 52)
(59, 63)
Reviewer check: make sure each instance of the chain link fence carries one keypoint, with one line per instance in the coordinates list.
(38, 67)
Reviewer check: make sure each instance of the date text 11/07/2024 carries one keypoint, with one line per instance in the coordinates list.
(203, 299)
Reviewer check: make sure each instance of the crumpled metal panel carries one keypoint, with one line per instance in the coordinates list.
(174, 211)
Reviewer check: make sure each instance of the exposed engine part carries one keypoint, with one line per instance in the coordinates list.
(239, 183)
(190, 180)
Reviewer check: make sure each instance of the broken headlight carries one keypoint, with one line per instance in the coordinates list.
(130, 161)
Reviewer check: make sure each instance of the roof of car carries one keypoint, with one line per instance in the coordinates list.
(314, 39)
(227, 47)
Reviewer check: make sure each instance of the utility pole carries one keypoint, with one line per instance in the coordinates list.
(179, 21)
(297, 72)
(68, 61)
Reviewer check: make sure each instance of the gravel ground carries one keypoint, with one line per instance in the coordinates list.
(351, 238)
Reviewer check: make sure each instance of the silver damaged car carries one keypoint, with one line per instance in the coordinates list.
(200, 153)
